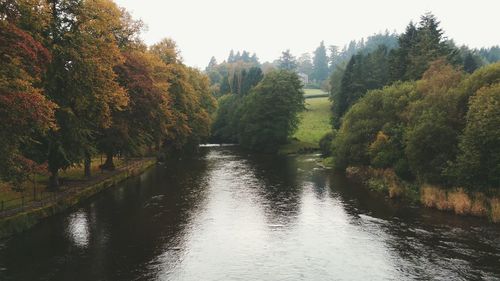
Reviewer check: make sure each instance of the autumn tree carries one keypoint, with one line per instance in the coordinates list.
(82, 80)
(191, 99)
(25, 110)
(143, 123)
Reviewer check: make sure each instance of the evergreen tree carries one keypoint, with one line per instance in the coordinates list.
(332, 60)
(254, 59)
(211, 65)
(231, 57)
(225, 86)
(320, 64)
(252, 78)
(287, 61)
(418, 47)
(362, 73)
(470, 63)
(245, 56)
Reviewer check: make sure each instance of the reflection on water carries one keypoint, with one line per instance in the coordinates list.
(78, 228)
(228, 215)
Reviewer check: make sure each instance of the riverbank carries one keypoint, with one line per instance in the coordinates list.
(70, 195)
(456, 200)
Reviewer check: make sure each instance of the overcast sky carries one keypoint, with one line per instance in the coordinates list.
(206, 28)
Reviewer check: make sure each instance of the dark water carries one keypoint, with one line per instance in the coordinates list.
(233, 216)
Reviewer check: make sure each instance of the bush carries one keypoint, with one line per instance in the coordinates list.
(325, 144)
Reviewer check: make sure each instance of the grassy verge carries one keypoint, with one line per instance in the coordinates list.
(314, 124)
(11, 195)
(28, 217)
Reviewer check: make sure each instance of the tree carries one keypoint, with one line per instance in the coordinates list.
(245, 56)
(362, 73)
(144, 122)
(231, 58)
(478, 162)
(270, 113)
(320, 63)
(434, 123)
(371, 129)
(470, 63)
(304, 64)
(418, 47)
(25, 110)
(252, 78)
(211, 65)
(332, 59)
(191, 100)
(287, 61)
(81, 79)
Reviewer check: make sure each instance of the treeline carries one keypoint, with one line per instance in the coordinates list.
(422, 109)
(75, 81)
(373, 67)
(236, 75)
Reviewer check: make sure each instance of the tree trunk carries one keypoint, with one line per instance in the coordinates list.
(109, 164)
(87, 166)
(54, 180)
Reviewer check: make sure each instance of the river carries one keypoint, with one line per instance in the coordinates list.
(229, 215)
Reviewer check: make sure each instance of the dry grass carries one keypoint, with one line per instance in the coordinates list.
(479, 205)
(495, 209)
(394, 185)
(433, 197)
(460, 201)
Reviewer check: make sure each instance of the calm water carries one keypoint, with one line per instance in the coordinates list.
(231, 216)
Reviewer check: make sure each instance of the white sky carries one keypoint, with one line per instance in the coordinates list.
(206, 28)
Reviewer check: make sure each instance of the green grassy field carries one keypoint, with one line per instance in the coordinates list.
(314, 124)
(315, 121)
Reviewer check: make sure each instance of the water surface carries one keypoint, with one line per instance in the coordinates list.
(228, 215)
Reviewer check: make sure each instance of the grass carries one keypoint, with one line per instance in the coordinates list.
(314, 93)
(315, 121)
(314, 124)
(75, 173)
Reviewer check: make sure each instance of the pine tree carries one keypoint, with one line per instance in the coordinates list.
(332, 60)
(287, 61)
(320, 64)
(470, 63)
(231, 57)
(211, 65)
(245, 56)
(252, 78)
(254, 58)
